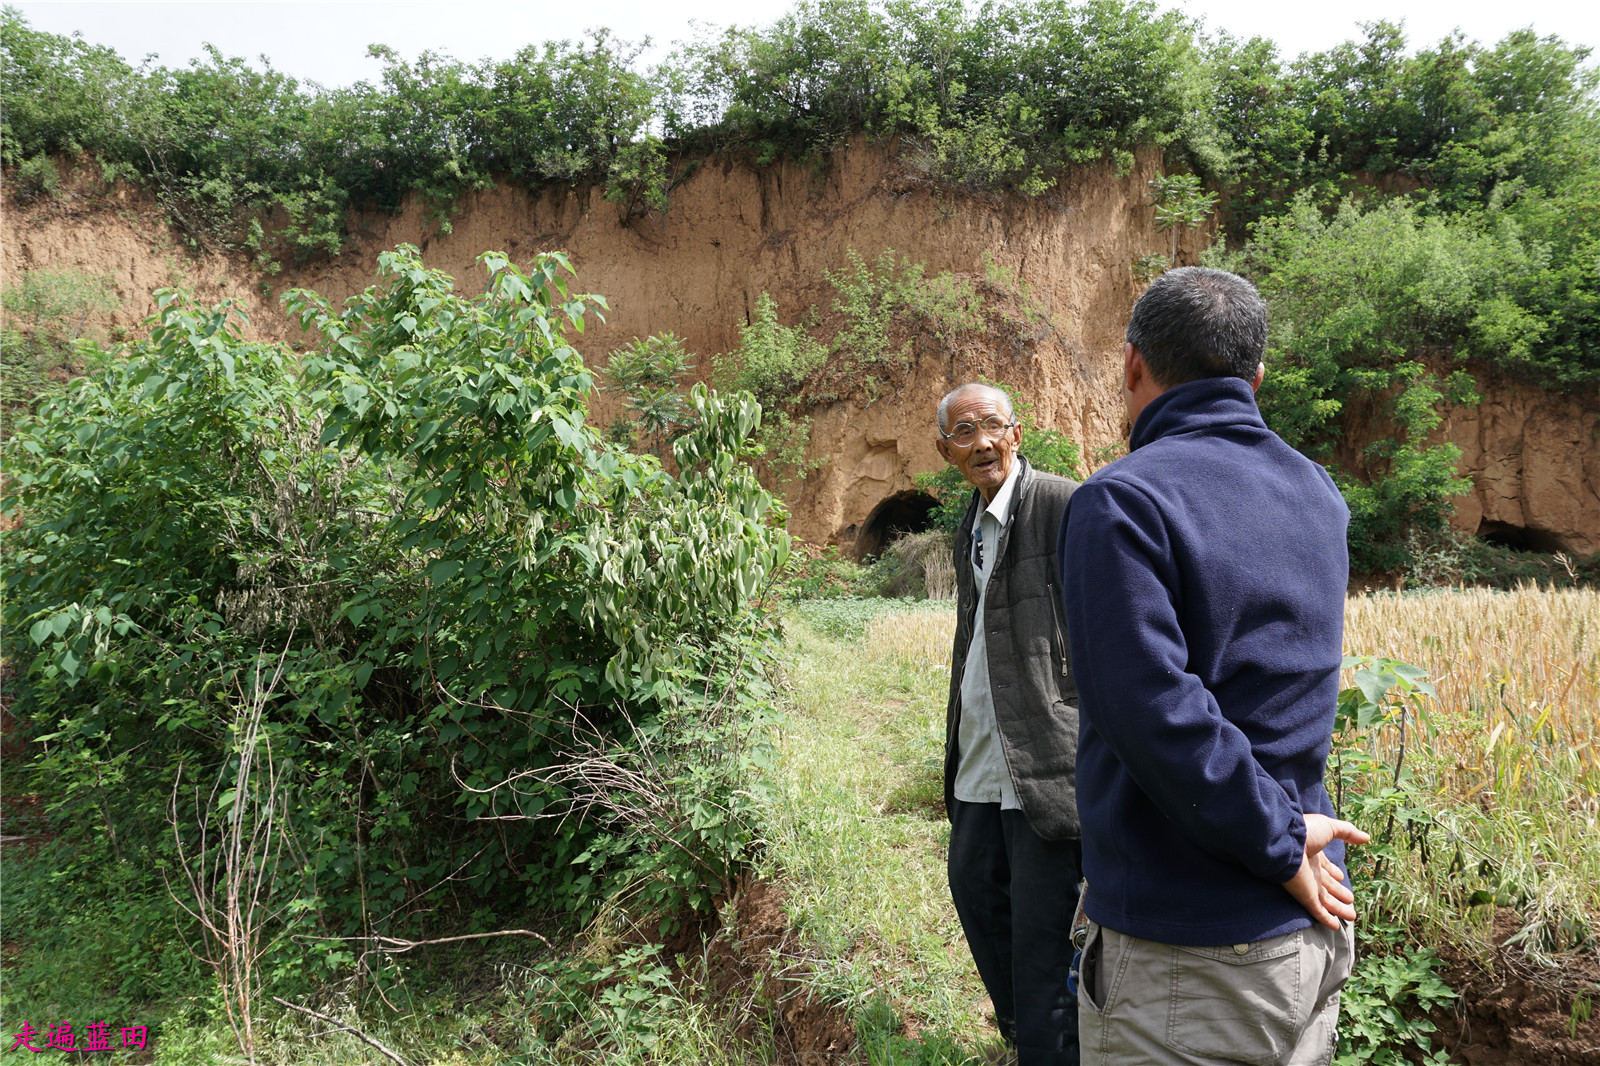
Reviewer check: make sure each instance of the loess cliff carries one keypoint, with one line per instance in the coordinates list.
(734, 230)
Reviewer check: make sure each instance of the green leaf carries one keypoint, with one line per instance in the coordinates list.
(1374, 686)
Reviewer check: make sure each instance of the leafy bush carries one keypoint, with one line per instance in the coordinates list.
(821, 574)
(875, 298)
(92, 927)
(37, 177)
(1383, 1007)
(771, 362)
(646, 372)
(1451, 558)
(437, 581)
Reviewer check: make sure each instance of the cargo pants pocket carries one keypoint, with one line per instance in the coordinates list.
(1244, 1003)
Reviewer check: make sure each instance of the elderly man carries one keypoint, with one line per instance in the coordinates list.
(1011, 732)
(1205, 580)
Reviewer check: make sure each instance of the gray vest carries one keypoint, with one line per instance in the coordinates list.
(1030, 675)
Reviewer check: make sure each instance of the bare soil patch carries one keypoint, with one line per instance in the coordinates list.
(1515, 1014)
(760, 958)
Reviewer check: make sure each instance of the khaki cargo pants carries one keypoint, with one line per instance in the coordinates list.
(1272, 1003)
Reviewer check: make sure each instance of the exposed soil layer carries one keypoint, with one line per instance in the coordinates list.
(735, 230)
(1514, 1014)
(760, 958)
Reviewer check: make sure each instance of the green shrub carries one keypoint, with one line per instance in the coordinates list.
(37, 177)
(1451, 558)
(436, 589)
(822, 574)
(646, 372)
(1383, 1008)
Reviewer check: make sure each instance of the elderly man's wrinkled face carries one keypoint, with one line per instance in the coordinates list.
(980, 416)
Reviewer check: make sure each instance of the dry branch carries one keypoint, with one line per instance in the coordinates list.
(341, 1027)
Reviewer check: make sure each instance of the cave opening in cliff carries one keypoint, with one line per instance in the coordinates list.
(1518, 538)
(902, 513)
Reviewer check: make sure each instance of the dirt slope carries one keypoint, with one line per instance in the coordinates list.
(734, 230)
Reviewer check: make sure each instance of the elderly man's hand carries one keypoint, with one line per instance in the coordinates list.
(1317, 885)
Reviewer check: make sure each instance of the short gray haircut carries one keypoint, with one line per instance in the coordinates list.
(1195, 322)
(949, 398)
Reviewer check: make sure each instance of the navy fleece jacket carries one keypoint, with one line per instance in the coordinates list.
(1204, 580)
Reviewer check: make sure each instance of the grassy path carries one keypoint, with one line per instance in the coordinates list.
(857, 838)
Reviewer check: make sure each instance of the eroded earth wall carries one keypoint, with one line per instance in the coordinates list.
(734, 230)
(1534, 461)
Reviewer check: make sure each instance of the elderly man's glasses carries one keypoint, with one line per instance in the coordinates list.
(965, 434)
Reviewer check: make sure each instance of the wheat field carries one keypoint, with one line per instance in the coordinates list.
(1517, 673)
(1507, 757)
(1518, 677)
(1527, 662)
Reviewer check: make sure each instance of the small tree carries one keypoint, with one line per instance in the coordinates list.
(1181, 202)
(646, 372)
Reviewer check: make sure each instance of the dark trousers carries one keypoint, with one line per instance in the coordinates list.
(1015, 893)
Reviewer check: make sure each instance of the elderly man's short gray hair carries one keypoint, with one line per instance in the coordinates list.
(971, 386)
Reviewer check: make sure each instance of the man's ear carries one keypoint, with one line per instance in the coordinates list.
(1261, 373)
(1133, 369)
(944, 449)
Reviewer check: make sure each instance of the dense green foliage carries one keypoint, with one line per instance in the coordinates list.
(400, 593)
(1000, 95)
(992, 95)
(224, 143)
(1411, 218)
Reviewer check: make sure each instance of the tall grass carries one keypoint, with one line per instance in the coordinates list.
(856, 832)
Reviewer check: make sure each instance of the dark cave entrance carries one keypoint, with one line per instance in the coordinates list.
(902, 513)
(1518, 538)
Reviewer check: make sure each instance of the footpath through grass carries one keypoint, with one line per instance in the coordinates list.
(857, 834)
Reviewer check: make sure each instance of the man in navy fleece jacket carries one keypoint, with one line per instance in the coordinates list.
(1203, 580)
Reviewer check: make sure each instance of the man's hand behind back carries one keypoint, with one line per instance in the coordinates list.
(1317, 885)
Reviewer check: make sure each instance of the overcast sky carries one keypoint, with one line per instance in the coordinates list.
(326, 40)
